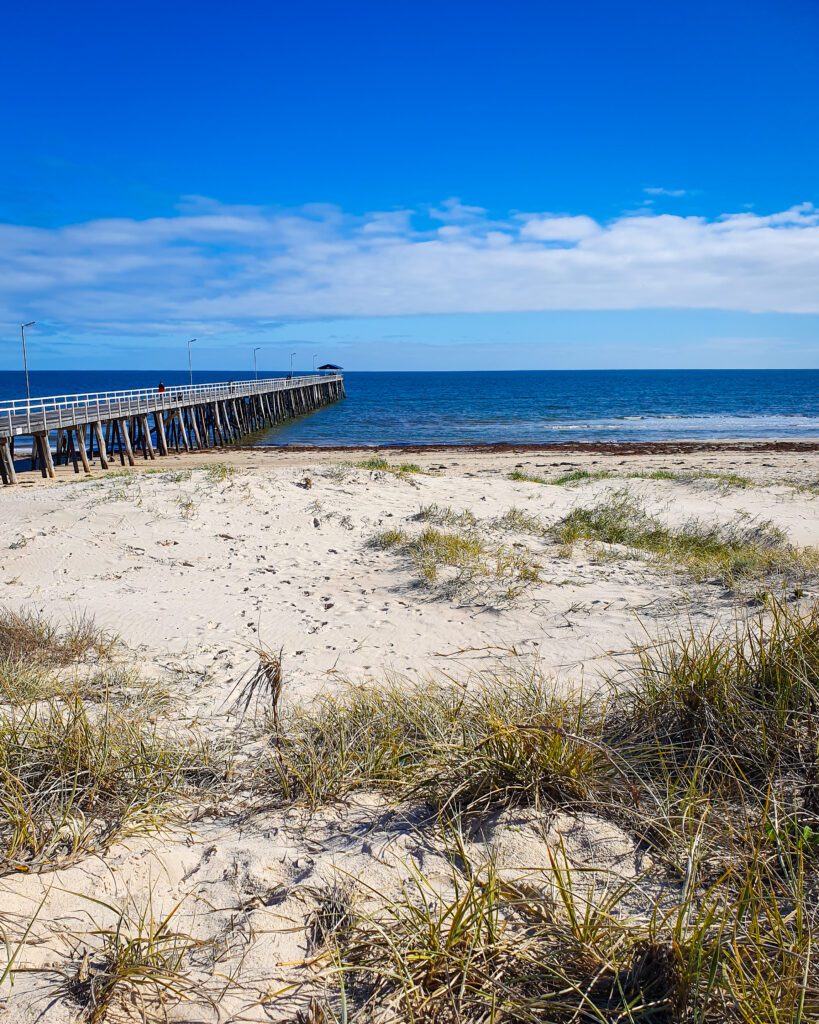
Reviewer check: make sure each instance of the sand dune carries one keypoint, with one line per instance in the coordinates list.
(194, 565)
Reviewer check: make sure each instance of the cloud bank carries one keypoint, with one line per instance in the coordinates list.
(211, 266)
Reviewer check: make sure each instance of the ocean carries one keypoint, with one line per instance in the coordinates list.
(535, 406)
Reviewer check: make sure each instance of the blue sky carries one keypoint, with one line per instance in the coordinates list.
(409, 185)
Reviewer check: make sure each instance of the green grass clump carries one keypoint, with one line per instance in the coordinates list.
(174, 476)
(692, 476)
(502, 744)
(529, 478)
(732, 552)
(521, 522)
(377, 462)
(577, 476)
(374, 462)
(655, 474)
(141, 963)
(482, 948)
(749, 696)
(461, 565)
(434, 549)
(219, 472)
(386, 539)
(23, 680)
(75, 776)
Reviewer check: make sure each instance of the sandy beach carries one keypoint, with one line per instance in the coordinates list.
(196, 561)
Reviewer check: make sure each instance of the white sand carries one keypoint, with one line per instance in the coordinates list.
(190, 570)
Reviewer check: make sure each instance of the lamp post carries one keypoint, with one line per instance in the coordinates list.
(190, 363)
(255, 368)
(291, 363)
(23, 327)
(314, 362)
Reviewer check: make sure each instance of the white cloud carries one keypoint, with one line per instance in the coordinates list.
(558, 229)
(211, 266)
(675, 193)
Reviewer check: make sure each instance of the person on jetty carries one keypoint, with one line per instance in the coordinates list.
(161, 388)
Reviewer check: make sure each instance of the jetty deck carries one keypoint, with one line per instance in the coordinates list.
(110, 425)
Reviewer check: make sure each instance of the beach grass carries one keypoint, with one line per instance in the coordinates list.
(576, 476)
(530, 478)
(705, 752)
(459, 564)
(76, 775)
(741, 550)
(521, 521)
(377, 462)
(505, 743)
(29, 636)
(489, 949)
(220, 472)
(579, 476)
(138, 964)
(446, 515)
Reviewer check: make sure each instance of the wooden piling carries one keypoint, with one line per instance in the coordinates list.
(7, 462)
(80, 432)
(103, 452)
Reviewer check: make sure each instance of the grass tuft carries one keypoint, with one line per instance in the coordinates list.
(734, 552)
(75, 776)
(386, 539)
(518, 520)
(29, 636)
(445, 515)
(219, 472)
(577, 476)
(505, 743)
(459, 564)
(529, 478)
(377, 462)
(139, 965)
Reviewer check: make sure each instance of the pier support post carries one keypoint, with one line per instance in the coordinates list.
(193, 427)
(80, 432)
(44, 451)
(147, 446)
(7, 463)
(217, 426)
(97, 428)
(183, 433)
(161, 440)
(129, 451)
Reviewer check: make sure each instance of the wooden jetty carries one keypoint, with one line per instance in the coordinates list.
(111, 425)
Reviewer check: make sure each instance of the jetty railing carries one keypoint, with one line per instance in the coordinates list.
(23, 416)
(189, 417)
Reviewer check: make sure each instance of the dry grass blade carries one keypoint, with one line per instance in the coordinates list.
(262, 686)
(334, 915)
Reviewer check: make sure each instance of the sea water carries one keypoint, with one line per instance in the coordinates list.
(539, 406)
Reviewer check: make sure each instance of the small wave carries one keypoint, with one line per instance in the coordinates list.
(699, 423)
